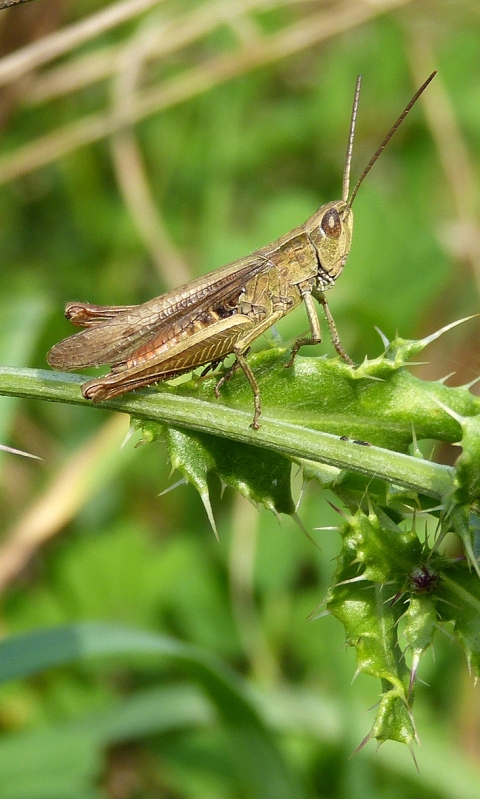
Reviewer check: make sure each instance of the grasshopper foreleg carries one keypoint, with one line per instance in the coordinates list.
(316, 335)
(320, 297)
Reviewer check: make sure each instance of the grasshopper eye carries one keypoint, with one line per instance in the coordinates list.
(331, 224)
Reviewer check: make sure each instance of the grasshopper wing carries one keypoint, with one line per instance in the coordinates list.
(194, 348)
(114, 340)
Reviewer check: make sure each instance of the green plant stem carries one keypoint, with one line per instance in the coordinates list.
(165, 407)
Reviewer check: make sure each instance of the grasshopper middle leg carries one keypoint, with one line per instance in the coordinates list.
(240, 350)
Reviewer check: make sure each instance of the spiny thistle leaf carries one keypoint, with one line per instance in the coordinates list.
(421, 622)
(261, 476)
(391, 592)
(460, 595)
(382, 569)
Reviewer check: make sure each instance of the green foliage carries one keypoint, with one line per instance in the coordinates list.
(119, 617)
(382, 566)
(24, 772)
(386, 573)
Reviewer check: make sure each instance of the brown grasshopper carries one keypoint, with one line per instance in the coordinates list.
(221, 313)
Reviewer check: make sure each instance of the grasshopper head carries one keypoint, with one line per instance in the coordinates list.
(330, 231)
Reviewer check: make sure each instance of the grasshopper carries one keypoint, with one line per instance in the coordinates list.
(221, 313)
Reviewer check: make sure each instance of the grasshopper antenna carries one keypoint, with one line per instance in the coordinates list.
(386, 139)
(348, 159)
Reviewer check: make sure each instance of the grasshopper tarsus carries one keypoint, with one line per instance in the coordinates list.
(345, 357)
(225, 378)
(221, 314)
(300, 342)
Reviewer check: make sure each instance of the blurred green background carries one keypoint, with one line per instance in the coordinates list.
(240, 118)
